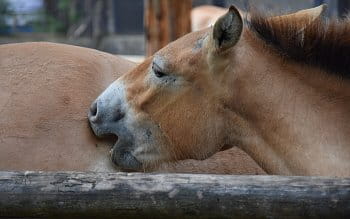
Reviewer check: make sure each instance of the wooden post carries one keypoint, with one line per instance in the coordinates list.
(123, 195)
(165, 21)
(96, 23)
(110, 17)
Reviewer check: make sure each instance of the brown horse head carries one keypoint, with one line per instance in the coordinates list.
(188, 100)
(172, 106)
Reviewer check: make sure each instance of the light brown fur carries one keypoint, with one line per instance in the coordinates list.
(45, 93)
(205, 16)
(292, 118)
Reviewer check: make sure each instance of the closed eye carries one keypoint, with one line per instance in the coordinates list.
(157, 71)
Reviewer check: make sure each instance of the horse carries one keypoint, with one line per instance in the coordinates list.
(45, 92)
(204, 16)
(276, 87)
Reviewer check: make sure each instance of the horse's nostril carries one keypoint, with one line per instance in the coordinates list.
(93, 111)
(100, 114)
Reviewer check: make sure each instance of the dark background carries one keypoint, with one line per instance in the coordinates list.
(114, 26)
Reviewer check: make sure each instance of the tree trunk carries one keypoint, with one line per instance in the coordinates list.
(165, 21)
(97, 23)
(110, 17)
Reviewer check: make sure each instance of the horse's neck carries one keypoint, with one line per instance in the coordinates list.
(296, 119)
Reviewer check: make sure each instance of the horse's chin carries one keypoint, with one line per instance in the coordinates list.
(111, 139)
(123, 159)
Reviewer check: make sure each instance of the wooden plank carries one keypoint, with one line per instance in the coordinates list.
(112, 195)
(180, 18)
(165, 21)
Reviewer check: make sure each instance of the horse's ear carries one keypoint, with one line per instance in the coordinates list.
(227, 29)
(303, 17)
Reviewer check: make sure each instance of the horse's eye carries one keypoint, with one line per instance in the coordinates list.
(157, 71)
(159, 74)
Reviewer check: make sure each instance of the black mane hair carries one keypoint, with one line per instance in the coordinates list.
(323, 44)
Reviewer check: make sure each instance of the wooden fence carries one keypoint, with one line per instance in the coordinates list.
(119, 195)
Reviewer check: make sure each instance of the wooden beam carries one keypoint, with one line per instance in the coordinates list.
(165, 21)
(113, 195)
(157, 25)
(110, 16)
(180, 18)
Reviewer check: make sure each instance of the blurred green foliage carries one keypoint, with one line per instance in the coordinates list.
(58, 18)
(4, 10)
(48, 23)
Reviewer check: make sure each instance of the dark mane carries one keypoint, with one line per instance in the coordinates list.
(324, 44)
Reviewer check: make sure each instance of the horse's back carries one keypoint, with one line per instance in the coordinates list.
(46, 90)
(231, 161)
(204, 16)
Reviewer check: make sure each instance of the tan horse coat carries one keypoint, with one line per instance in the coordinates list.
(205, 16)
(276, 87)
(45, 92)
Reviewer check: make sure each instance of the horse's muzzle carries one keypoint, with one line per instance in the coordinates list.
(107, 116)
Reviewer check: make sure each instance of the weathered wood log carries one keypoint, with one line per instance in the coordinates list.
(112, 195)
